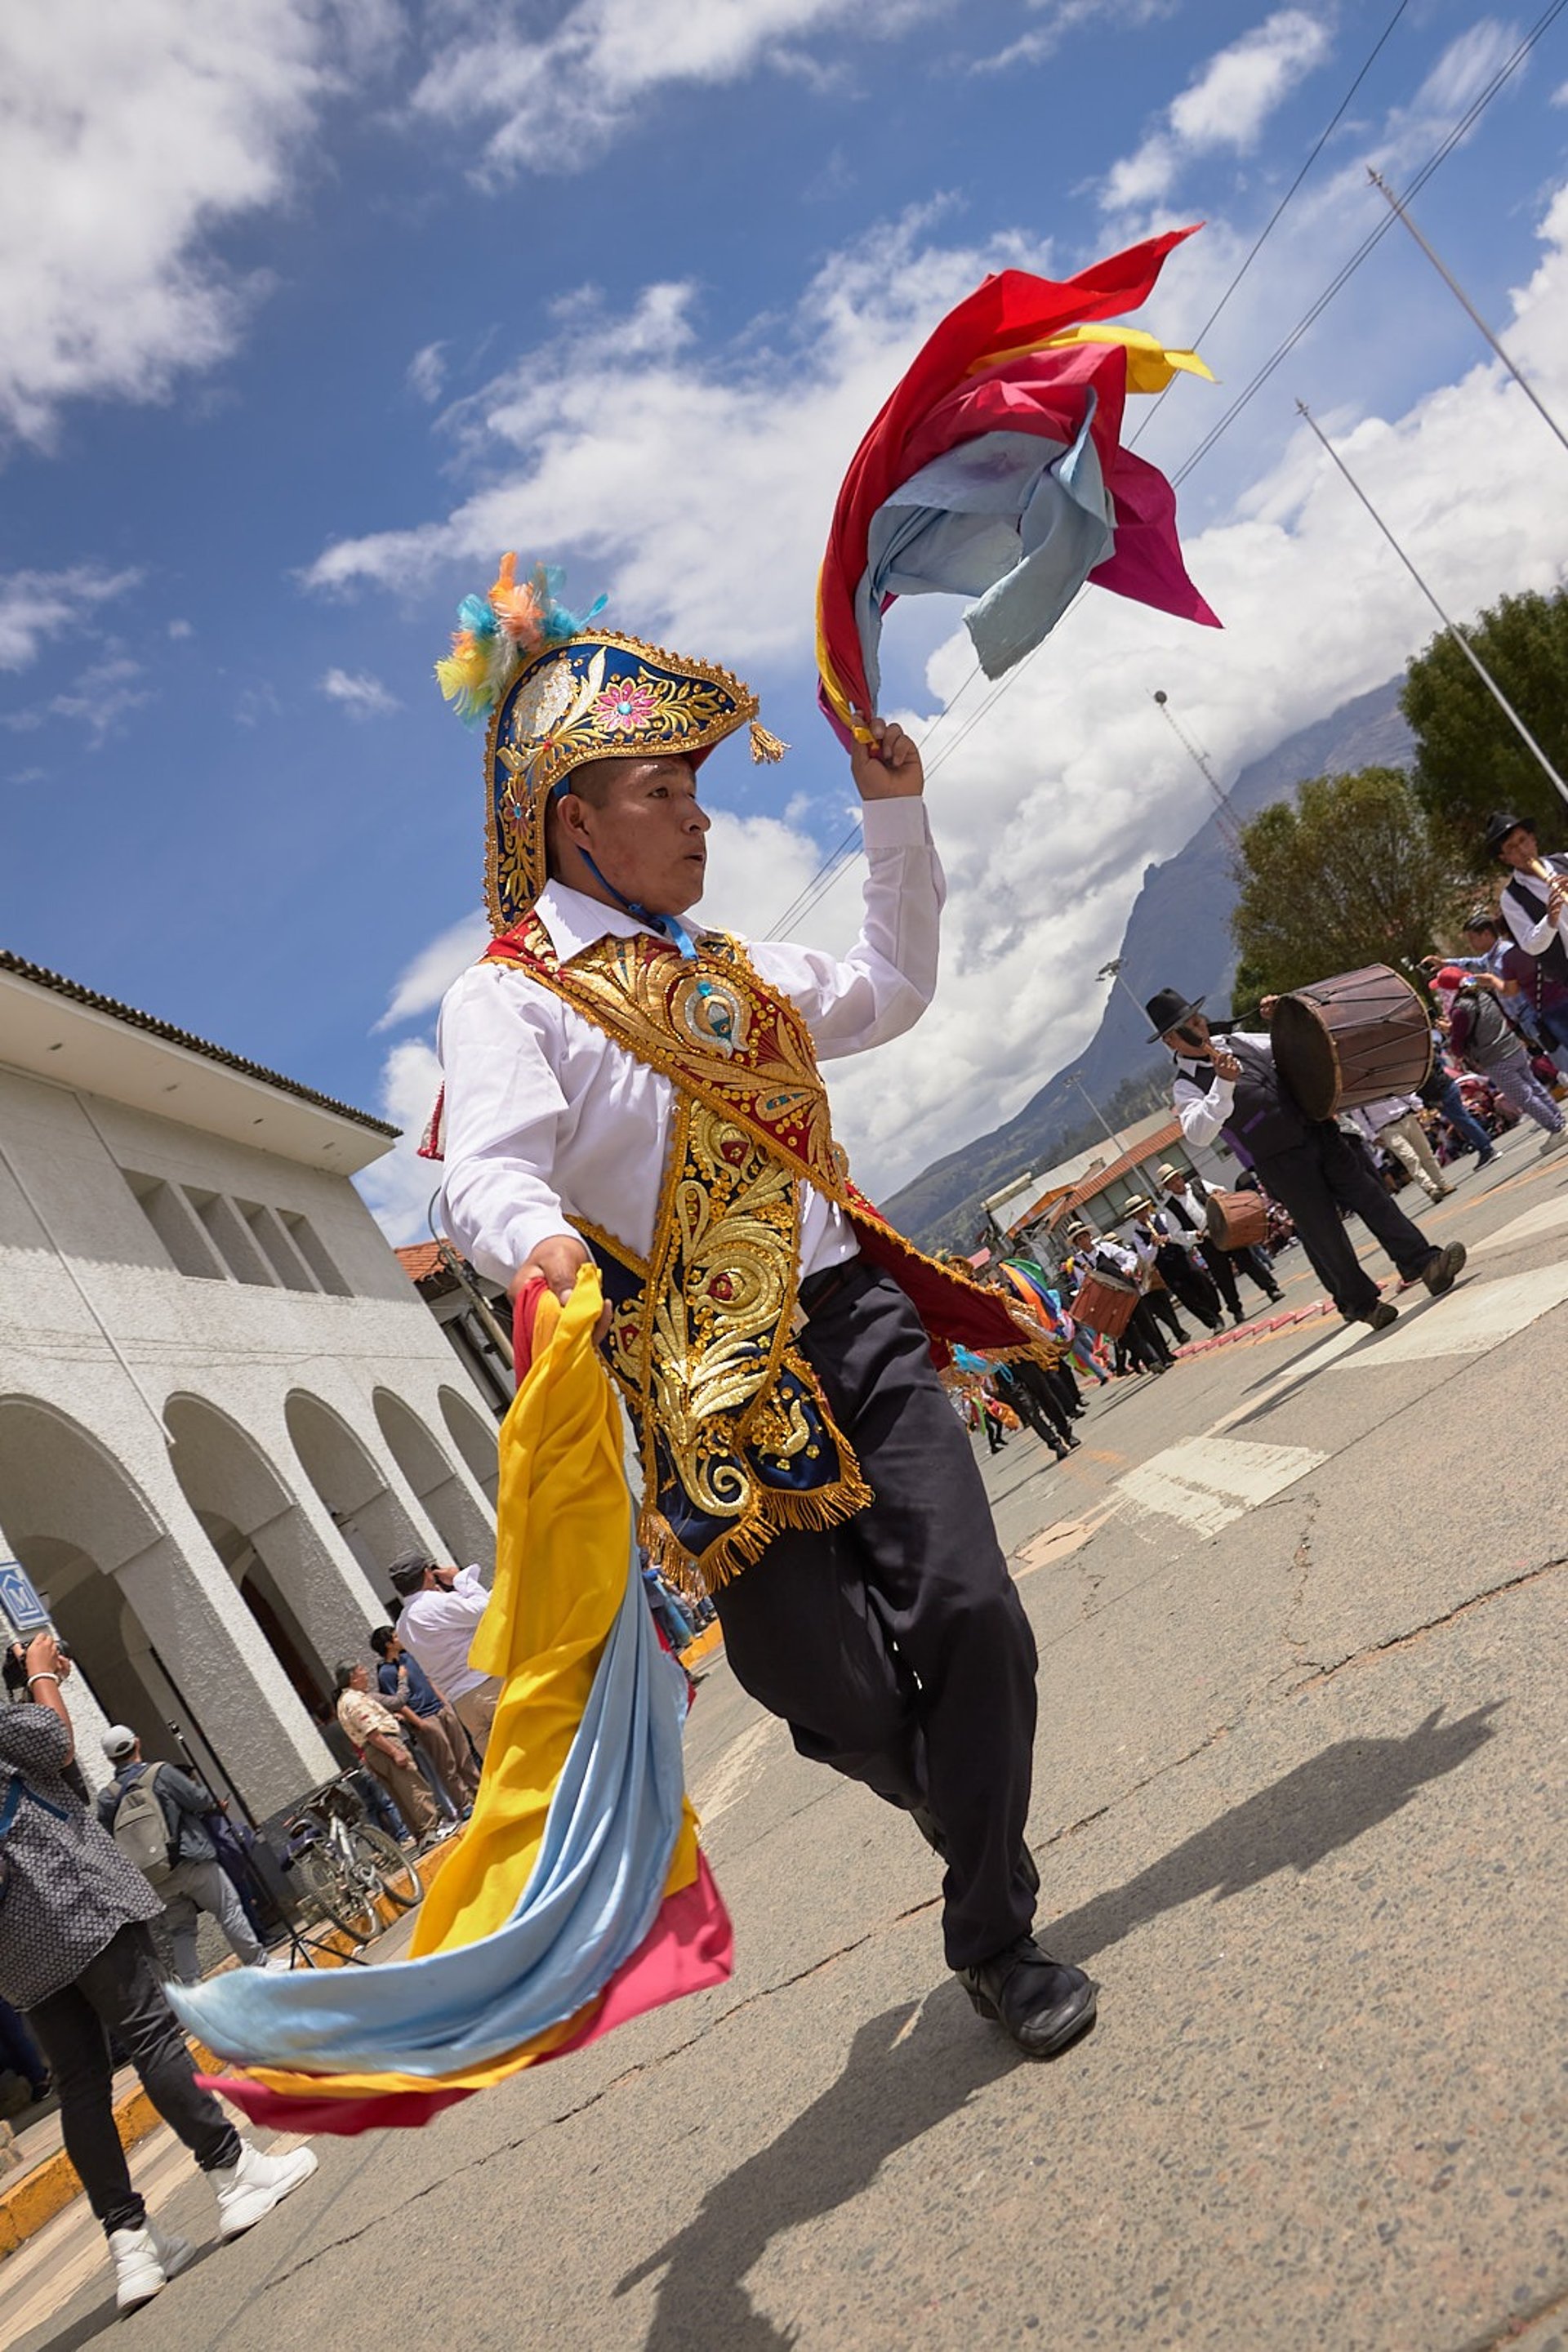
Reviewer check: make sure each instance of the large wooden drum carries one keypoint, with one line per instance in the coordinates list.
(1237, 1220)
(1104, 1305)
(1352, 1040)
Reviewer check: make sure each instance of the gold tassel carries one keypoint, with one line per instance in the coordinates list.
(765, 748)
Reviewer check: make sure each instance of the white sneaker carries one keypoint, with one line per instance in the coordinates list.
(1555, 1142)
(251, 2188)
(144, 2262)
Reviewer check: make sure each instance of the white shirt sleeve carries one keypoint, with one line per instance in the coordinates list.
(504, 1111)
(1533, 937)
(888, 977)
(1202, 1115)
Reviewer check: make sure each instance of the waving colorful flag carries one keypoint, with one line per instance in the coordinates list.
(995, 470)
(576, 1897)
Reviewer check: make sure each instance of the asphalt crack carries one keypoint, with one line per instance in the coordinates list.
(1517, 1583)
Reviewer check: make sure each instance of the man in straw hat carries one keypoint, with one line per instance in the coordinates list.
(628, 1087)
(1535, 908)
(1229, 1085)
(1187, 1220)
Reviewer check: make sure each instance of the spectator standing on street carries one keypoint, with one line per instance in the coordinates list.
(377, 1733)
(75, 1957)
(154, 1814)
(428, 1715)
(441, 1611)
(1486, 1042)
(1441, 1094)
(1394, 1123)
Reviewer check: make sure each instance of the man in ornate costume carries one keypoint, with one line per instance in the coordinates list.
(626, 1091)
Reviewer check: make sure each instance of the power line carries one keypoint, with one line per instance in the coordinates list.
(839, 858)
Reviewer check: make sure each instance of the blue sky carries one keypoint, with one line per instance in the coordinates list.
(307, 310)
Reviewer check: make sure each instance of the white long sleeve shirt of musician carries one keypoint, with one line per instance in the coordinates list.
(547, 1117)
(1204, 1114)
(1535, 937)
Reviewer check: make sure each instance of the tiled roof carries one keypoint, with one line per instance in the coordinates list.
(420, 1260)
(41, 977)
(1099, 1179)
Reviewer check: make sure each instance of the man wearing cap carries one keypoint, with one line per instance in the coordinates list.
(1186, 1220)
(1535, 908)
(627, 1092)
(440, 1615)
(191, 1879)
(1229, 1085)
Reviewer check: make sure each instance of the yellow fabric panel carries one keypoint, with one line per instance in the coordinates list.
(564, 1535)
(1149, 366)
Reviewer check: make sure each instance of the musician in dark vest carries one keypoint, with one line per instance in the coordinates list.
(1229, 1085)
(1535, 908)
(1185, 1213)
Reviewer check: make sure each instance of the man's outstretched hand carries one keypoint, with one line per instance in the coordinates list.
(890, 768)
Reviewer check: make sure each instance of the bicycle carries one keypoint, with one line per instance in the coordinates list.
(343, 1861)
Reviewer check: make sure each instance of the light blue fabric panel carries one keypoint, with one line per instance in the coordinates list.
(593, 1894)
(1011, 519)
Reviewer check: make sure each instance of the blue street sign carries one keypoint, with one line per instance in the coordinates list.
(19, 1599)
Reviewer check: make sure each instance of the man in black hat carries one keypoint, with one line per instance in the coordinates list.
(1535, 908)
(1229, 1085)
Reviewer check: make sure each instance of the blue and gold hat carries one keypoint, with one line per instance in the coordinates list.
(559, 693)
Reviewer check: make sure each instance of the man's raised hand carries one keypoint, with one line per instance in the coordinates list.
(890, 769)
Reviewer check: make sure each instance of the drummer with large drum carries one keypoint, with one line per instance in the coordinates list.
(1230, 1086)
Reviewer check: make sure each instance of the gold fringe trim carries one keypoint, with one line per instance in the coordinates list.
(736, 1549)
(767, 748)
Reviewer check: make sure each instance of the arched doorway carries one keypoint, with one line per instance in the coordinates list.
(475, 1438)
(465, 1529)
(313, 1608)
(353, 1485)
(159, 1642)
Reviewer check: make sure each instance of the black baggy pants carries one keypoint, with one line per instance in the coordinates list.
(1313, 1179)
(895, 1647)
(118, 1992)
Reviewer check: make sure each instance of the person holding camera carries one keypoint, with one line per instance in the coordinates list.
(77, 1958)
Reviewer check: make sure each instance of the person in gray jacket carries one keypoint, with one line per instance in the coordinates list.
(193, 1880)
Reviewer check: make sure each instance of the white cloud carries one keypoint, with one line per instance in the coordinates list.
(426, 374)
(420, 986)
(1225, 105)
(108, 695)
(656, 464)
(38, 605)
(128, 134)
(358, 693)
(399, 1187)
(179, 629)
(557, 98)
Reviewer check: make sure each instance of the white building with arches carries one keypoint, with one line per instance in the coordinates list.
(224, 1408)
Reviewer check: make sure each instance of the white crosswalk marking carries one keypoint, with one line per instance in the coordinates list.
(1207, 1482)
(1475, 1316)
(1543, 1218)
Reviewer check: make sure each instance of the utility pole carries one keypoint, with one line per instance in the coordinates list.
(1458, 291)
(1200, 759)
(1483, 672)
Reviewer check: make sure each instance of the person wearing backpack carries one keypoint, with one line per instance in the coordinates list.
(154, 1815)
(77, 1958)
(1487, 1043)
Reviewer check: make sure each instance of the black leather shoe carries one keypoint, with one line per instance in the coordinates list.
(1443, 1267)
(1043, 2003)
(1381, 1316)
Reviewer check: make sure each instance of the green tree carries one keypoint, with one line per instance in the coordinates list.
(1469, 760)
(1347, 874)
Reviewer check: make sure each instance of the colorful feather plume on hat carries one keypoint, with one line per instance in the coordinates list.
(497, 634)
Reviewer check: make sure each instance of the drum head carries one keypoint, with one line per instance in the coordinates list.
(1304, 1054)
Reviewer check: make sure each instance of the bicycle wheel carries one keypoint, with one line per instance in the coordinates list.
(326, 1884)
(400, 1882)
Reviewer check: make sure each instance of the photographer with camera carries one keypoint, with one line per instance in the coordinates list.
(77, 1958)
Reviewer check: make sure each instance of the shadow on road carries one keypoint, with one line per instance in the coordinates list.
(890, 2092)
(1322, 1805)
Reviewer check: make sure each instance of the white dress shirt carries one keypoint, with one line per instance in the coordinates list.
(440, 1627)
(1204, 1114)
(1535, 937)
(547, 1117)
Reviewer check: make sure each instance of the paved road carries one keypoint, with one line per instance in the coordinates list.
(1299, 1802)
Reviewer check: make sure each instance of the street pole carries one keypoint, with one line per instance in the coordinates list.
(1458, 291)
(1487, 680)
(1199, 758)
